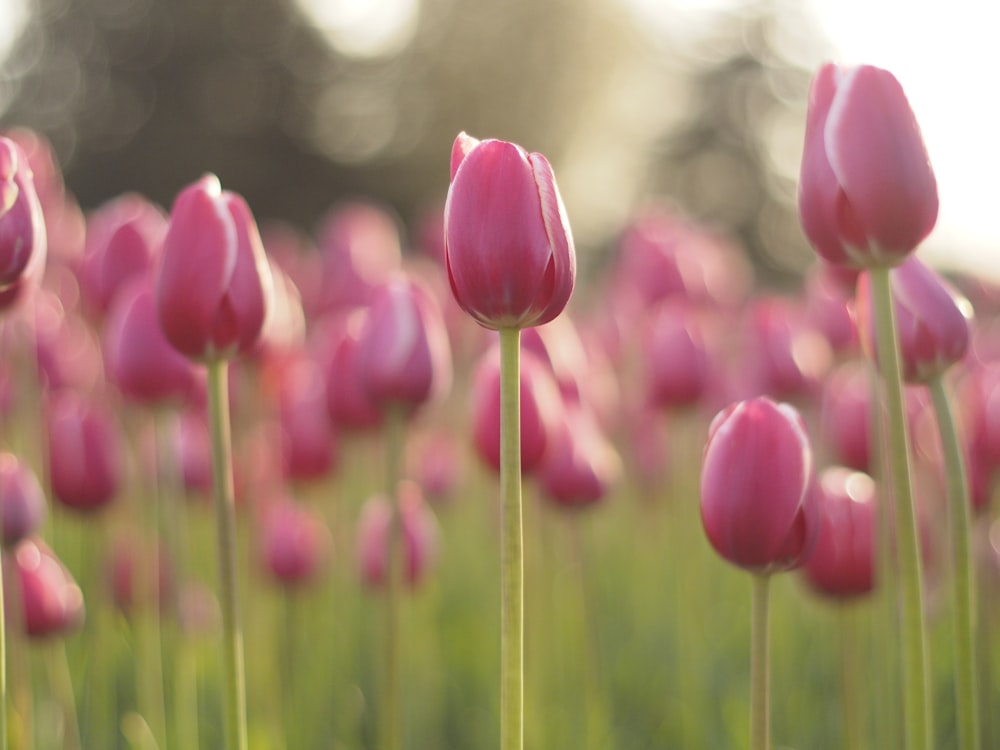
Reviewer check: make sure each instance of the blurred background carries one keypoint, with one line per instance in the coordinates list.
(300, 103)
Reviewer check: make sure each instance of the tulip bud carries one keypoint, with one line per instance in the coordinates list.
(675, 355)
(22, 502)
(22, 226)
(51, 602)
(419, 536)
(843, 562)
(867, 193)
(580, 464)
(348, 403)
(213, 286)
(84, 461)
(294, 543)
(509, 249)
(932, 320)
(757, 502)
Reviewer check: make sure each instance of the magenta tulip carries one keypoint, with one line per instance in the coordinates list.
(307, 439)
(83, 452)
(348, 404)
(675, 355)
(932, 320)
(22, 502)
(51, 601)
(757, 503)
(295, 543)
(867, 193)
(22, 226)
(580, 465)
(213, 286)
(509, 249)
(843, 563)
(419, 535)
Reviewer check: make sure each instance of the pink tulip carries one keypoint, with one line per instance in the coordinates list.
(124, 237)
(403, 355)
(295, 543)
(867, 193)
(539, 399)
(675, 355)
(213, 286)
(137, 356)
(141, 574)
(829, 308)
(22, 502)
(843, 563)
(419, 535)
(22, 226)
(83, 452)
(307, 439)
(192, 451)
(846, 416)
(436, 463)
(757, 503)
(932, 320)
(580, 465)
(509, 249)
(348, 404)
(51, 602)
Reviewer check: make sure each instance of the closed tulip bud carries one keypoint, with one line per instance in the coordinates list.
(675, 356)
(213, 286)
(403, 355)
(932, 320)
(757, 503)
(22, 502)
(348, 404)
(295, 544)
(509, 249)
(539, 397)
(580, 464)
(846, 416)
(51, 601)
(843, 563)
(419, 537)
(307, 439)
(867, 193)
(22, 226)
(137, 356)
(83, 453)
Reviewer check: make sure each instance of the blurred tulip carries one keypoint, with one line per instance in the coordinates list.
(435, 462)
(22, 501)
(22, 225)
(213, 285)
(419, 535)
(124, 237)
(846, 415)
(192, 451)
(539, 399)
(785, 357)
(757, 503)
(295, 544)
(348, 403)
(675, 355)
(843, 563)
(829, 308)
(308, 445)
(867, 193)
(137, 356)
(509, 249)
(403, 355)
(580, 465)
(140, 574)
(83, 452)
(51, 602)
(932, 320)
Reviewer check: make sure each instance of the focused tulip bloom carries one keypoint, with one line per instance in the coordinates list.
(757, 502)
(539, 400)
(83, 453)
(932, 320)
(213, 285)
(22, 502)
(51, 601)
(294, 543)
(22, 226)
(403, 355)
(124, 237)
(137, 356)
(867, 193)
(509, 249)
(843, 563)
(419, 535)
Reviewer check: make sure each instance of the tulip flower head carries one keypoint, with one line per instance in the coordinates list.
(213, 287)
(867, 193)
(22, 226)
(22, 502)
(51, 601)
(509, 250)
(757, 502)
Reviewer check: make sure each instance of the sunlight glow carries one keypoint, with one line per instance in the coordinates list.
(364, 28)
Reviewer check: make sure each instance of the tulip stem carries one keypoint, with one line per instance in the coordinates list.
(851, 692)
(760, 671)
(225, 529)
(3, 665)
(913, 636)
(392, 697)
(511, 546)
(966, 694)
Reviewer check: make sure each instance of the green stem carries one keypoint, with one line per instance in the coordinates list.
(760, 671)
(851, 703)
(62, 687)
(511, 546)
(225, 529)
(966, 695)
(391, 703)
(913, 636)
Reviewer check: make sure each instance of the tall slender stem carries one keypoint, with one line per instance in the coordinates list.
(391, 708)
(511, 546)
(225, 529)
(913, 637)
(760, 666)
(966, 694)
(851, 695)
